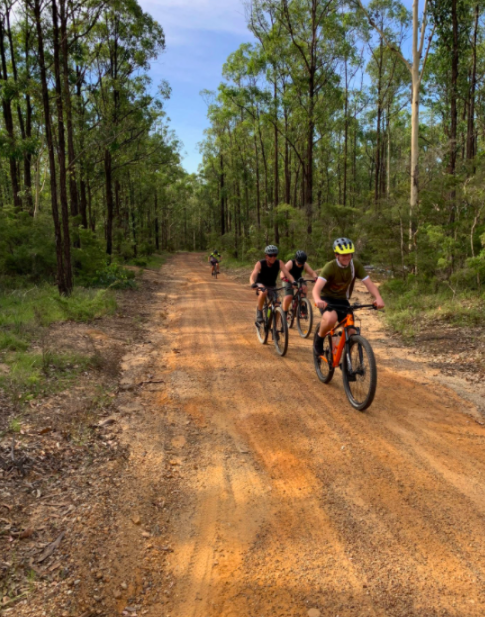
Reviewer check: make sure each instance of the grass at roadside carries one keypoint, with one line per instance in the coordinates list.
(234, 264)
(25, 316)
(410, 309)
(151, 262)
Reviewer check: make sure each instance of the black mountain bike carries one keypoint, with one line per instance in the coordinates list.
(301, 310)
(214, 269)
(274, 320)
(353, 355)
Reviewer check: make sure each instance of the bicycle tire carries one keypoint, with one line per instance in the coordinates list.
(280, 331)
(290, 316)
(215, 274)
(360, 387)
(324, 366)
(262, 330)
(304, 322)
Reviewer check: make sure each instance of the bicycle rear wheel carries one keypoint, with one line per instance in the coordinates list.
(324, 364)
(304, 317)
(280, 331)
(262, 329)
(360, 377)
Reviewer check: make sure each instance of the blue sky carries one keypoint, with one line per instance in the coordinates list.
(200, 34)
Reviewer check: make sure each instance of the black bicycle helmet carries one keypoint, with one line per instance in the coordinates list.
(301, 257)
(271, 250)
(343, 246)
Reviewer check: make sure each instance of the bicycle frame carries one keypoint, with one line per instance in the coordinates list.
(346, 324)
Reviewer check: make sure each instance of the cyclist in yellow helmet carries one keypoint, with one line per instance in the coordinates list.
(335, 285)
(214, 259)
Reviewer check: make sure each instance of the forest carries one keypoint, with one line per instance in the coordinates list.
(90, 171)
(356, 119)
(363, 119)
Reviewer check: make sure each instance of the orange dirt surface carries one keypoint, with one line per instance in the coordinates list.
(253, 490)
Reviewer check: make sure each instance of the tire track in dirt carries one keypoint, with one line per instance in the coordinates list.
(295, 500)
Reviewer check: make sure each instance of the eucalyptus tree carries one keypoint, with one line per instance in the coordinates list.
(421, 43)
(126, 39)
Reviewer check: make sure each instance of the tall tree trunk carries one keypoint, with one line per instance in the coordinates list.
(157, 229)
(92, 219)
(346, 134)
(61, 146)
(378, 121)
(61, 280)
(28, 126)
(470, 142)
(25, 131)
(258, 189)
(222, 195)
(82, 170)
(276, 192)
(309, 158)
(9, 126)
(109, 201)
(68, 107)
(287, 164)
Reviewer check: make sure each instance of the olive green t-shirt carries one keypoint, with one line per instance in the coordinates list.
(338, 279)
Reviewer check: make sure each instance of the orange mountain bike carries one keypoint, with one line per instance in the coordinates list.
(353, 355)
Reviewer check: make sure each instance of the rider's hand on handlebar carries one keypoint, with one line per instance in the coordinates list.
(254, 286)
(379, 304)
(321, 304)
(295, 283)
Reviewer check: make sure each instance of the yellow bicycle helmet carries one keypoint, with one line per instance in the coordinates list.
(343, 246)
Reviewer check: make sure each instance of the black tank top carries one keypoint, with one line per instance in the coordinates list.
(296, 271)
(268, 274)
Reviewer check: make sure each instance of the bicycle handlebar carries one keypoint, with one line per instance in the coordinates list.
(263, 289)
(353, 307)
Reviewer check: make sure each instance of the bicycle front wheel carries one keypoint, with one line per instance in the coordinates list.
(280, 331)
(262, 329)
(304, 318)
(360, 374)
(324, 363)
(290, 316)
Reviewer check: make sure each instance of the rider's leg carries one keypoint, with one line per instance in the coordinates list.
(259, 308)
(329, 319)
(287, 302)
(261, 299)
(217, 265)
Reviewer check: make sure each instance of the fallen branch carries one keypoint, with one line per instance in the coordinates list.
(51, 548)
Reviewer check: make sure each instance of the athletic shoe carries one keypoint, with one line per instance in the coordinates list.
(318, 345)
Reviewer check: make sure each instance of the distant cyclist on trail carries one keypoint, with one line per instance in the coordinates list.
(296, 267)
(214, 259)
(335, 285)
(265, 274)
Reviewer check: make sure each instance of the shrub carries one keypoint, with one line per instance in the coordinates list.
(113, 276)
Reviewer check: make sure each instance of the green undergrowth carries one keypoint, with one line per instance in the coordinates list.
(149, 262)
(411, 306)
(232, 263)
(27, 363)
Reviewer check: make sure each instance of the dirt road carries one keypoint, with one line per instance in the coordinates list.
(263, 493)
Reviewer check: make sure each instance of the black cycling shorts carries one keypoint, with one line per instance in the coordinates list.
(336, 302)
